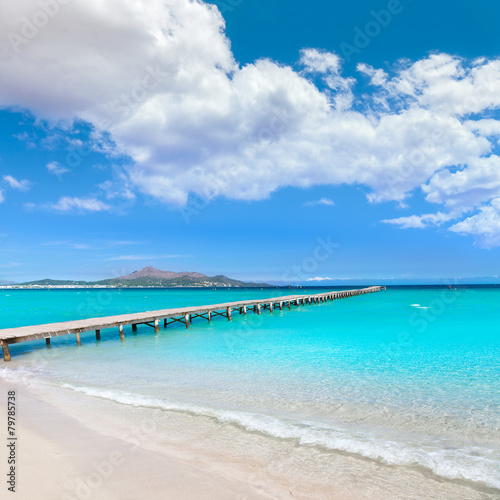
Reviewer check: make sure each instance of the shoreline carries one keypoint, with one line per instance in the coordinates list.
(68, 442)
(59, 457)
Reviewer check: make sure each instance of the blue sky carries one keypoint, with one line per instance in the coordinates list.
(152, 134)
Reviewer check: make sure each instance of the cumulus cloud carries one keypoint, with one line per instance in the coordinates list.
(485, 225)
(322, 201)
(68, 203)
(319, 278)
(12, 182)
(159, 77)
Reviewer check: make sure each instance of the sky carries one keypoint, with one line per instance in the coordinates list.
(268, 141)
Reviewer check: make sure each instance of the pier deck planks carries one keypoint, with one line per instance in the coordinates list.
(36, 332)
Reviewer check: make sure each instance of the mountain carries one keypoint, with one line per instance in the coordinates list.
(7, 282)
(152, 277)
(151, 272)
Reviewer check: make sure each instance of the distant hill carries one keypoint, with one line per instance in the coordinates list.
(150, 276)
(50, 282)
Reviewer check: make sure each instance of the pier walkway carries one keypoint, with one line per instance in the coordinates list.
(168, 316)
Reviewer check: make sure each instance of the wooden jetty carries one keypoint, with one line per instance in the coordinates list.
(167, 316)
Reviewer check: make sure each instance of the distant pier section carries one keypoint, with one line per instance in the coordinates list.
(184, 315)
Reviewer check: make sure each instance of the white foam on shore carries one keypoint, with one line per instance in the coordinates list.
(468, 463)
(472, 463)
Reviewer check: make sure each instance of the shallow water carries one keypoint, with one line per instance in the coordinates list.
(407, 377)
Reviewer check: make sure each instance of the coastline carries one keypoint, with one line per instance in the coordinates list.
(60, 457)
(68, 442)
(282, 405)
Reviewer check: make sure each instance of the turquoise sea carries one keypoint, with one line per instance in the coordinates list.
(408, 378)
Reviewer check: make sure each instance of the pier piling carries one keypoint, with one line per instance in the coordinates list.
(6, 352)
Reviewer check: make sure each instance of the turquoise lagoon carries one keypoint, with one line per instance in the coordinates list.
(409, 377)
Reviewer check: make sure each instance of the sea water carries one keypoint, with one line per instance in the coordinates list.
(409, 377)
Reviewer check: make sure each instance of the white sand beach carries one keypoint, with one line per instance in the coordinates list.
(74, 447)
(60, 458)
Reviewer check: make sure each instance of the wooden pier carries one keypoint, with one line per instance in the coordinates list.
(184, 315)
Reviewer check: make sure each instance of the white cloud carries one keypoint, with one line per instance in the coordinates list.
(160, 77)
(1, 196)
(485, 225)
(322, 201)
(486, 127)
(470, 186)
(316, 61)
(22, 185)
(68, 203)
(56, 168)
(421, 221)
(329, 65)
(319, 278)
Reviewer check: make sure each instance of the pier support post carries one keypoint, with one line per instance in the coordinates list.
(47, 341)
(157, 325)
(6, 352)
(186, 320)
(165, 323)
(281, 306)
(78, 339)
(270, 307)
(134, 327)
(98, 334)
(122, 335)
(228, 311)
(258, 309)
(209, 315)
(244, 309)
(289, 304)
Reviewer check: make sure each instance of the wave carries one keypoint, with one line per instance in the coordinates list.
(418, 306)
(472, 463)
(466, 463)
